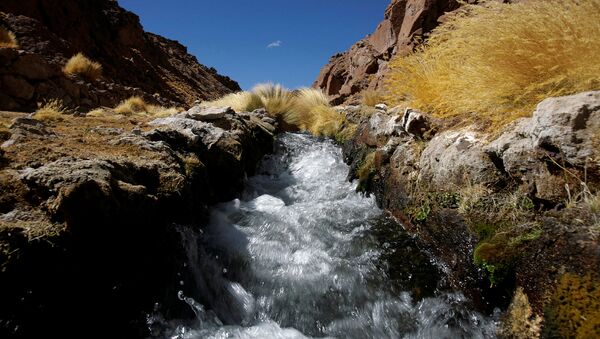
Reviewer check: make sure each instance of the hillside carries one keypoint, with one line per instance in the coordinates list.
(134, 62)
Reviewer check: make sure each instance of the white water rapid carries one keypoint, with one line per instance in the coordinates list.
(297, 256)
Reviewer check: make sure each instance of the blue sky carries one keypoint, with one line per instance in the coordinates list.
(255, 41)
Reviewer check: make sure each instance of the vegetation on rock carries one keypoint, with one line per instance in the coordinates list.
(81, 65)
(492, 63)
(574, 310)
(306, 109)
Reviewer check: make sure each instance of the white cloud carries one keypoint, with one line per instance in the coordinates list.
(275, 44)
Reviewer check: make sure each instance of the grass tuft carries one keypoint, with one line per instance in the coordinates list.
(492, 63)
(306, 109)
(8, 39)
(307, 103)
(80, 64)
(53, 110)
(137, 106)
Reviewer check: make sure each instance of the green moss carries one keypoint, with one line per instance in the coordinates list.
(497, 251)
(484, 230)
(574, 309)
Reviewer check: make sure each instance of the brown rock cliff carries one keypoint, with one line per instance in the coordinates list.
(134, 62)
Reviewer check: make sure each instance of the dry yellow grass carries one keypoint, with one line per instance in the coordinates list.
(8, 39)
(304, 107)
(325, 121)
(277, 100)
(80, 64)
(492, 63)
(53, 110)
(307, 109)
(371, 98)
(137, 106)
(239, 102)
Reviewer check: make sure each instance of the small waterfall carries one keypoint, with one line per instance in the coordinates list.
(301, 254)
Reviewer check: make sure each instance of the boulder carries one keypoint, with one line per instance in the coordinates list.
(456, 158)
(416, 123)
(17, 87)
(559, 142)
(34, 67)
(208, 113)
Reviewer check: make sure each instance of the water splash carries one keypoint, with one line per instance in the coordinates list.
(296, 257)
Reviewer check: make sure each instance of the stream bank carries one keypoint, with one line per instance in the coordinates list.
(510, 217)
(91, 209)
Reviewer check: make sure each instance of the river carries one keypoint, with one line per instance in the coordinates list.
(301, 254)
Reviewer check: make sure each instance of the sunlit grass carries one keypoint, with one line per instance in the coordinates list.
(493, 63)
(80, 64)
(306, 109)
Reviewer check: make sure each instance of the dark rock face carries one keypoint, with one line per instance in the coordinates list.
(88, 244)
(517, 210)
(364, 65)
(134, 62)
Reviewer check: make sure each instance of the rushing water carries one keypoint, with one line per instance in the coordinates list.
(301, 255)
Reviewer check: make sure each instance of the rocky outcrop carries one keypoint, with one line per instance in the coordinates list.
(364, 65)
(517, 209)
(134, 62)
(91, 211)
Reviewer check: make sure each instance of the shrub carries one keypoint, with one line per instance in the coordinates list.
(53, 110)
(325, 121)
(277, 100)
(304, 108)
(307, 109)
(239, 102)
(520, 321)
(500, 60)
(137, 106)
(80, 64)
(8, 39)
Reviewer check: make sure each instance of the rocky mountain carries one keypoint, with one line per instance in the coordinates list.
(134, 62)
(364, 65)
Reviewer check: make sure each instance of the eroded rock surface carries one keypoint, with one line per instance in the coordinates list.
(91, 211)
(513, 210)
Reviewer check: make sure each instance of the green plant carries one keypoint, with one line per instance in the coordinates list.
(492, 63)
(80, 64)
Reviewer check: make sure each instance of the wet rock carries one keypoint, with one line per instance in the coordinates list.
(208, 113)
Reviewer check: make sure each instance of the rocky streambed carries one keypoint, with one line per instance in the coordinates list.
(106, 224)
